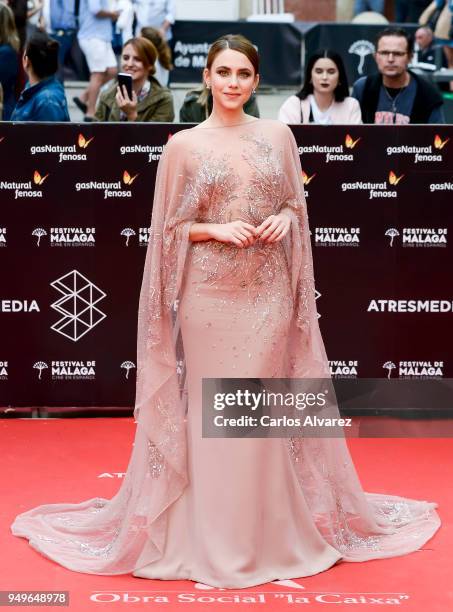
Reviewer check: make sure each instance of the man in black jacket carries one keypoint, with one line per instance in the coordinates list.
(396, 95)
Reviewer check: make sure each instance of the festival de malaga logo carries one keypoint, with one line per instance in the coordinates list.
(337, 236)
(67, 370)
(343, 368)
(3, 370)
(416, 370)
(418, 236)
(142, 232)
(66, 236)
(3, 237)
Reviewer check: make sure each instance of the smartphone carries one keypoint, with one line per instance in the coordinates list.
(125, 80)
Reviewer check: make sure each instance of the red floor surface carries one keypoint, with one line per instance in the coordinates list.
(47, 461)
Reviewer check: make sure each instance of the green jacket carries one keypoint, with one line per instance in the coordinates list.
(156, 106)
(193, 112)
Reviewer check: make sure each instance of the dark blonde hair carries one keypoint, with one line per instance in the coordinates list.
(236, 42)
(145, 50)
(8, 32)
(163, 50)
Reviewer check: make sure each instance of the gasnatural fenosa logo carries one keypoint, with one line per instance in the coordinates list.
(73, 152)
(350, 143)
(306, 178)
(335, 153)
(154, 152)
(426, 153)
(26, 189)
(83, 142)
(376, 190)
(116, 189)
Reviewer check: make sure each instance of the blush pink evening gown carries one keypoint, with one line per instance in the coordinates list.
(227, 512)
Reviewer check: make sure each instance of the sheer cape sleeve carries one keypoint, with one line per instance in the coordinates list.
(116, 536)
(360, 525)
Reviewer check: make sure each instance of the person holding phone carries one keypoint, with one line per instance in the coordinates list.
(136, 95)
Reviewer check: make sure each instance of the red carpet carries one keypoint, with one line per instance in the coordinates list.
(47, 461)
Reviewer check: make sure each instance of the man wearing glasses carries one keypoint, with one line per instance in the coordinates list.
(396, 95)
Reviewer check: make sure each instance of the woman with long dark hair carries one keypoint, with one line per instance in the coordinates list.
(324, 97)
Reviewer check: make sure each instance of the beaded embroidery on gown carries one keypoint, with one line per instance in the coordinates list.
(228, 512)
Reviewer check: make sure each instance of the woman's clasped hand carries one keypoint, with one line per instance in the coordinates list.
(273, 229)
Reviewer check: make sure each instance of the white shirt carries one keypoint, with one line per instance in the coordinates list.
(294, 111)
(153, 13)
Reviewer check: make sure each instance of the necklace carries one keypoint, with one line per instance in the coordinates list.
(393, 100)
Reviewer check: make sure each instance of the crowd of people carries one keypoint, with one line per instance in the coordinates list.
(131, 39)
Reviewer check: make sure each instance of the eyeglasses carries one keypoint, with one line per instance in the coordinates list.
(394, 53)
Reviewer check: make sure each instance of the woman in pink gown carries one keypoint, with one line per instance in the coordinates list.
(228, 291)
